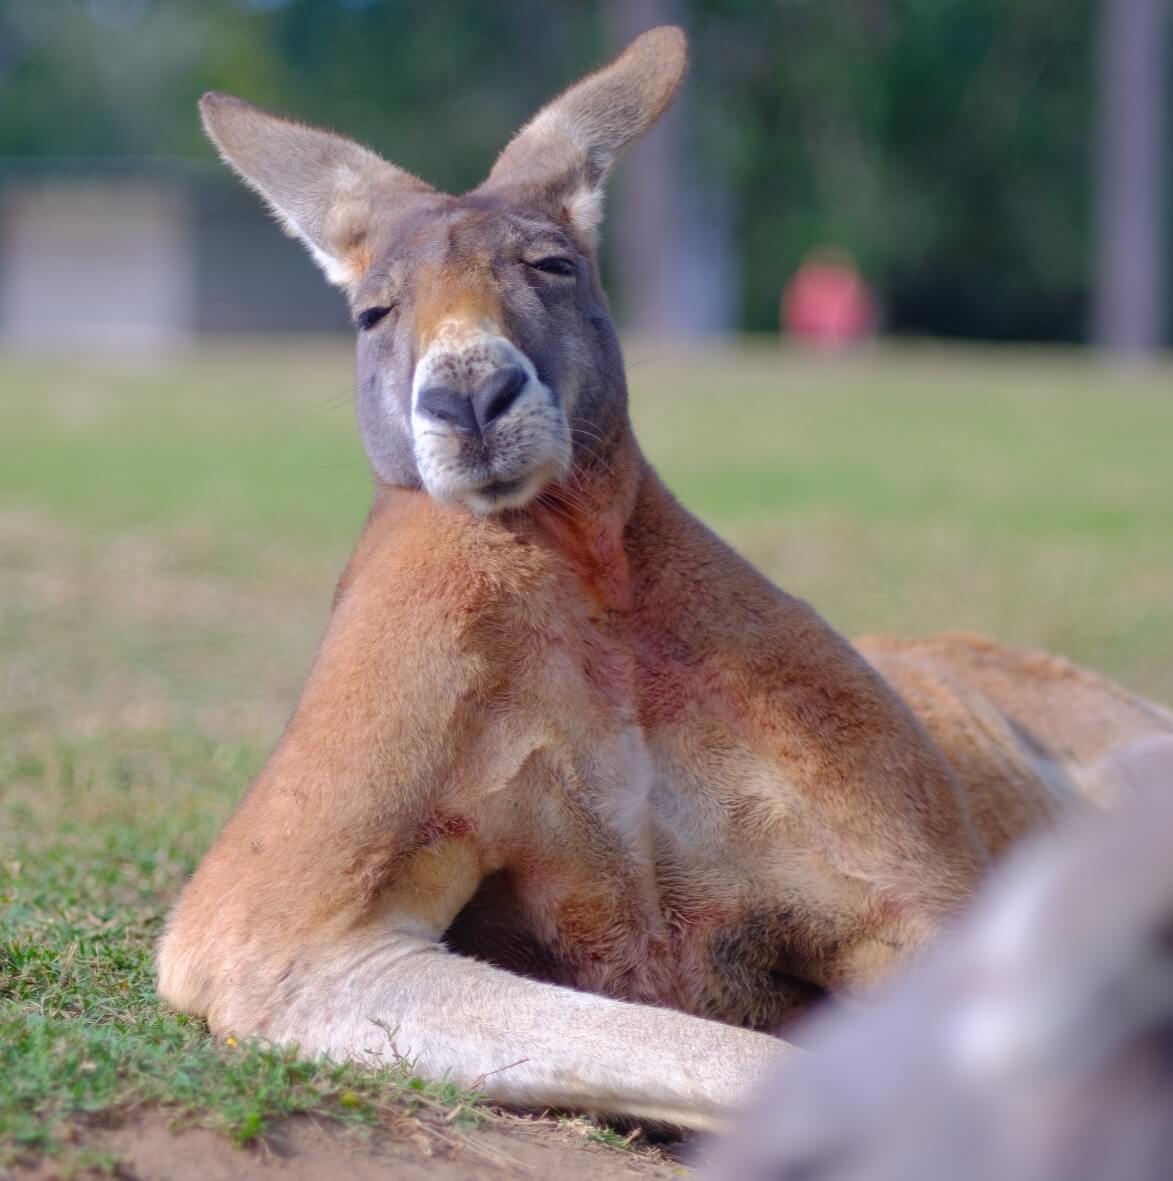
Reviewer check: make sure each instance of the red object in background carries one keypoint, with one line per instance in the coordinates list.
(827, 304)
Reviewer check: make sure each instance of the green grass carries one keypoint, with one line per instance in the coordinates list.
(169, 536)
(104, 833)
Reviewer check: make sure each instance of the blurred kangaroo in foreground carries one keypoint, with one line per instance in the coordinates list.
(1034, 1045)
(576, 804)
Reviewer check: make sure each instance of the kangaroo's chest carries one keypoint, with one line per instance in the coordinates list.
(645, 861)
(655, 902)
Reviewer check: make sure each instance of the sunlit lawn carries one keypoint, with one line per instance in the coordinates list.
(169, 536)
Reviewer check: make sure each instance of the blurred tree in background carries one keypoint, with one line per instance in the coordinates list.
(945, 143)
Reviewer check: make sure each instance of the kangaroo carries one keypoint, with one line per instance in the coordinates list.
(1032, 1044)
(576, 806)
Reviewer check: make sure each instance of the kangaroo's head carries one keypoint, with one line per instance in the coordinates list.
(487, 361)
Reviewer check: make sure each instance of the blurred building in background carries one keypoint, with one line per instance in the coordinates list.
(88, 262)
(134, 254)
(994, 167)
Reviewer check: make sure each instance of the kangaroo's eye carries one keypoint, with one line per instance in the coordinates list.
(554, 266)
(369, 317)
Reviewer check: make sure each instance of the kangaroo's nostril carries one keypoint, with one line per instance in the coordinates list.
(497, 393)
(448, 406)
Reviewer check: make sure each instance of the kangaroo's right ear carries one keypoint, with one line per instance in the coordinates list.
(324, 189)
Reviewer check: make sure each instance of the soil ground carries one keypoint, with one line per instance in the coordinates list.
(149, 1147)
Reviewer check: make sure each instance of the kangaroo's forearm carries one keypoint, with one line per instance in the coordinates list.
(517, 1040)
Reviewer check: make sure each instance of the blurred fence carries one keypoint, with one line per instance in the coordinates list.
(142, 255)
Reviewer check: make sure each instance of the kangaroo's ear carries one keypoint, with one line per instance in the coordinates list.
(324, 189)
(569, 147)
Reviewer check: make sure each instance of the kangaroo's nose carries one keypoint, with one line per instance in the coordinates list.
(493, 397)
(449, 406)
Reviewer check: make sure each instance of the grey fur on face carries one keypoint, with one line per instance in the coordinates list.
(446, 289)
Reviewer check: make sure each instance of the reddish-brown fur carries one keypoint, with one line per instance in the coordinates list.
(584, 741)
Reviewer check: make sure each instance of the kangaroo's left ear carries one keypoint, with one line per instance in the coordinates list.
(565, 153)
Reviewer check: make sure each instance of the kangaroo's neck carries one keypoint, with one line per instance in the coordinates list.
(585, 517)
(599, 520)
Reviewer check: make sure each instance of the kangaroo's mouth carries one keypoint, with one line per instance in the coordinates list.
(497, 496)
(497, 489)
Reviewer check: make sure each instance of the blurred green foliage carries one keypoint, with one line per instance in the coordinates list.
(945, 143)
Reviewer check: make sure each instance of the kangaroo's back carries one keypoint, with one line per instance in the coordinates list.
(1029, 733)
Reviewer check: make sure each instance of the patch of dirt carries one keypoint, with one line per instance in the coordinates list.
(149, 1147)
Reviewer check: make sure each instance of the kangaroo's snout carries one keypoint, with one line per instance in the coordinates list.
(486, 430)
(475, 412)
